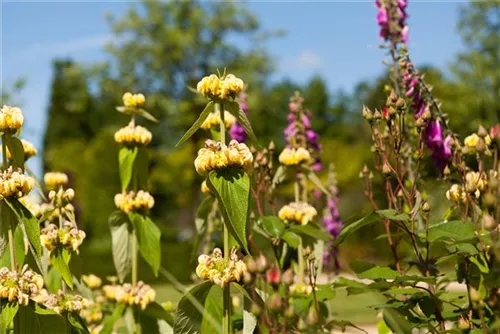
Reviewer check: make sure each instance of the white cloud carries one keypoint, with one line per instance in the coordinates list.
(305, 60)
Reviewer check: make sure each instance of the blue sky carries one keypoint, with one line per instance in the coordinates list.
(336, 39)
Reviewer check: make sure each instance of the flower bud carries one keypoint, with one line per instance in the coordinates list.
(261, 263)
(251, 265)
(273, 276)
(274, 303)
(377, 114)
(255, 309)
(490, 200)
(446, 171)
(427, 114)
(367, 113)
(420, 123)
(489, 222)
(426, 207)
(288, 277)
(290, 312)
(481, 131)
(386, 170)
(312, 316)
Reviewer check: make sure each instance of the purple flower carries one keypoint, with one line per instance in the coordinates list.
(236, 131)
(391, 17)
(441, 149)
(382, 16)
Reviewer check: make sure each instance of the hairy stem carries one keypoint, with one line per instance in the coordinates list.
(10, 233)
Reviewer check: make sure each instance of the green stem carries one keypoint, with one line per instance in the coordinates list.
(301, 262)
(61, 226)
(12, 248)
(134, 258)
(226, 324)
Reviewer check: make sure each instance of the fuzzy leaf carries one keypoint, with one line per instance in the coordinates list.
(351, 228)
(8, 311)
(121, 239)
(396, 322)
(31, 224)
(232, 189)
(273, 225)
(146, 115)
(379, 273)
(393, 215)
(453, 231)
(311, 231)
(16, 150)
(148, 237)
(59, 258)
(109, 321)
(292, 239)
(36, 318)
(204, 114)
(126, 158)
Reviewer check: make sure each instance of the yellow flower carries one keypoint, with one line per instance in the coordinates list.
(15, 183)
(475, 183)
(219, 270)
(214, 156)
(204, 188)
(301, 213)
(294, 157)
(54, 180)
(29, 150)
(132, 201)
(133, 100)
(213, 120)
(456, 194)
(471, 141)
(92, 281)
(133, 135)
(300, 289)
(217, 88)
(11, 119)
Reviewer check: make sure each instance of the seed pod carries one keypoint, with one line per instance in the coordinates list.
(312, 316)
(274, 303)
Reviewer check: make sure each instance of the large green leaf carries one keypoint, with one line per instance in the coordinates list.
(273, 225)
(396, 322)
(36, 318)
(213, 306)
(8, 219)
(234, 108)
(232, 189)
(19, 249)
(351, 228)
(121, 240)
(311, 231)
(148, 236)
(126, 158)
(292, 239)
(453, 231)
(190, 310)
(77, 323)
(146, 115)
(141, 169)
(16, 150)
(59, 258)
(31, 224)
(204, 114)
(8, 311)
(379, 273)
(110, 320)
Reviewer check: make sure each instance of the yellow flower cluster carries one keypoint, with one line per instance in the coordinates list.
(29, 150)
(140, 294)
(299, 212)
(132, 201)
(64, 302)
(33, 207)
(475, 182)
(92, 281)
(54, 180)
(217, 88)
(456, 194)
(219, 270)
(19, 287)
(133, 100)
(133, 135)
(475, 142)
(92, 314)
(213, 120)
(11, 119)
(300, 289)
(294, 157)
(69, 236)
(216, 156)
(15, 183)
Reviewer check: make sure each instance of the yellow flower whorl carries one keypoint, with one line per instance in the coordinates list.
(299, 212)
(15, 183)
(132, 201)
(213, 120)
(69, 237)
(28, 148)
(294, 157)
(217, 88)
(20, 287)
(215, 156)
(54, 180)
(11, 119)
(141, 294)
(130, 135)
(133, 100)
(220, 271)
(456, 194)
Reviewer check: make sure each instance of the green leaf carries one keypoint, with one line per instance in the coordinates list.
(232, 189)
(110, 320)
(19, 249)
(379, 273)
(351, 228)
(325, 292)
(77, 323)
(396, 322)
(156, 311)
(36, 318)
(126, 158)
(273, 225)
(382, 327)
(190, 310)
(141, 169)
(148, 237)
(204, 114)
(393, 215)
(315, 180)
(148, 324)
(292, 239)
(146, 115)
(213, 306)
(8, 220)
(311, 231)
(429, 305)
(121, 239)
(452, 231)
(8, 311)
(279, 176)
(359, 265)
(234, 108)
(59, 258)
(31, 224)
(16, 150)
